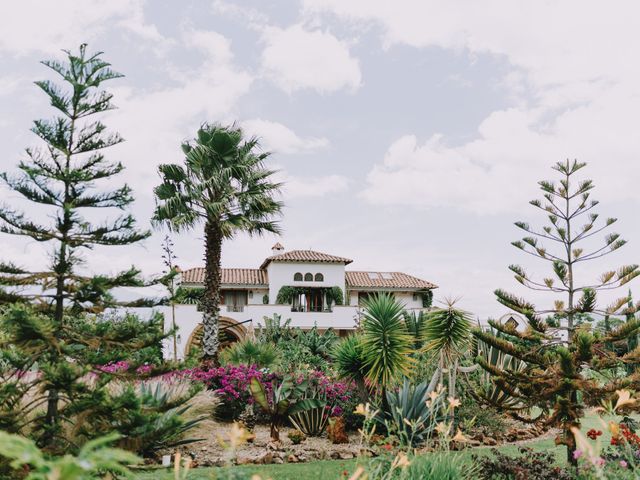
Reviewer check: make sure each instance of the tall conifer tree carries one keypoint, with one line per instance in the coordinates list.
(62, 180)
(558, 369)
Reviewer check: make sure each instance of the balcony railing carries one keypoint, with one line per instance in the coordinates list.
(310, 308)
(235, 308)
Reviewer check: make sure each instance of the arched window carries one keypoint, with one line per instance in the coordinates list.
(297, 277)
(319, 277)
(308, 277)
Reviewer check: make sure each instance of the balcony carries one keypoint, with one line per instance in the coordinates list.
(235, 308)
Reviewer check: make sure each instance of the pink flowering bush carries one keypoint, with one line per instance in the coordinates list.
(231, 383)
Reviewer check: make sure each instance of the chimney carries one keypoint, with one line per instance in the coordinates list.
(277, 249)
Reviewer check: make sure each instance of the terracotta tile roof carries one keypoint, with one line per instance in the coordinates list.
(385, 280)
(230, 276)
(295, 256)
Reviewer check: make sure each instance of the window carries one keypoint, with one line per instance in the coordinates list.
(319, 277)
(297, 277)
(308, 277)
(235, 300)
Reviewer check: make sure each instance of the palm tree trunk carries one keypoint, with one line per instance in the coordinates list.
(211, 297)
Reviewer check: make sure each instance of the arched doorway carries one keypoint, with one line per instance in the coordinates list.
(230, 332)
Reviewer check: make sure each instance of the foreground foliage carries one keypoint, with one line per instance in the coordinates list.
(94, 460)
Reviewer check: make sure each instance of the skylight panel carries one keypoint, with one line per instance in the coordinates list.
(387, 276)
(373, 275)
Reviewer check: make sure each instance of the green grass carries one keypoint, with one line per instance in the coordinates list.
(333, 469)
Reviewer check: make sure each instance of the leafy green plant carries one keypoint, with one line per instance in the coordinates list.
(188, 295)
(275, 330)
(317, 343)
(532, 465)
(250, 352)
(334, 295)
(296, 437)
(95, 458)
(436, 465)
(281, 401)
(348, 360)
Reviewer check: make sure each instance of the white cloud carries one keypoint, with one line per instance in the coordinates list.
(155, 121)
(277, 138)
(574, 90)
(319, 186)
(32, 25)
(296, 58)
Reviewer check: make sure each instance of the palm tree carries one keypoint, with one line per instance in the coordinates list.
(386, 343)
(224, 185)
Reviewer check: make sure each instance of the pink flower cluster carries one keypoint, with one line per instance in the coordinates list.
(123, 366)
(230, 381)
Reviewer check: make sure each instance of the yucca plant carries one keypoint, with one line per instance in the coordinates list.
(348, 359)
(386, 343)
(416, 324)
(447, 338)
(281, 401)
(250, 352)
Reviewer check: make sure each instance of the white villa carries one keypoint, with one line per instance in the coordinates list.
(295, 284)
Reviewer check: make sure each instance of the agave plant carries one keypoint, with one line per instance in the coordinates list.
(313, 421)
(487, 389)
(250, 352)
(281, 401)
(412, 414)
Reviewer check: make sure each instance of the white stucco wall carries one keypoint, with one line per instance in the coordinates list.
(281, 273)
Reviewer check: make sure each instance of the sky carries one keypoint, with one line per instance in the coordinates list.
(410, 135)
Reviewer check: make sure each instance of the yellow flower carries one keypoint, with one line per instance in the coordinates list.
(624, 398)
(442, 428)
(453, 402)
(362, 409)
(401, 461)
(614, 428)
(237, 436)
(459, 437)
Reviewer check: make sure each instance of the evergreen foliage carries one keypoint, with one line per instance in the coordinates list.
(62, 179)
(544, 370)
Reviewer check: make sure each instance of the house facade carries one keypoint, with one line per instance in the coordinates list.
(306, 286)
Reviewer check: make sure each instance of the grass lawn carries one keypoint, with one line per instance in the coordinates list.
(333, 469)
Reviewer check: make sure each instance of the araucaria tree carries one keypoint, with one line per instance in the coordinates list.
(66, 177)
(224, 185)
(558, 373)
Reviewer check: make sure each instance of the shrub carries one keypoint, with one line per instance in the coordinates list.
(336, 430)
(296, 437)
(231, 384)
(529, 465)
(250, 352)
(149, 416)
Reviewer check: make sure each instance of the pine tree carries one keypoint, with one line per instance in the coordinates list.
(60, 179)
(556, 371)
